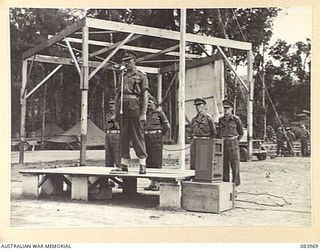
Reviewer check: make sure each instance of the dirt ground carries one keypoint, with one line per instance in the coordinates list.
(274, 192)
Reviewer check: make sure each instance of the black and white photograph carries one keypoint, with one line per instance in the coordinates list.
(160, 117)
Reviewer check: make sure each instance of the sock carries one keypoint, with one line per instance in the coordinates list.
(124, 161)
(142, 161)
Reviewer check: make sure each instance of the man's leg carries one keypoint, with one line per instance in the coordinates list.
(139, 144)
(108, 154)
(192, 155)
(226, 170)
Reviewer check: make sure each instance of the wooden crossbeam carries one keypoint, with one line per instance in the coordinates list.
(231, 67)
(92, 64)
(191, 64)
(128, 47)
(56, 38)
(73, 57)
(44, 80)
(147, 57)
(168, 34)
(111, 55)
(100, 51)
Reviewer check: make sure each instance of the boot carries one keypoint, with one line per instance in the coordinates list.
(142, 169)
(122, 168)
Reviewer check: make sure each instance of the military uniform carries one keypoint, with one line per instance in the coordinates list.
(112, 141)
(304, 139)
(201, 127)
(135, 83)
(291, 138)
(231, 131)
(280, 142)
(157, 124)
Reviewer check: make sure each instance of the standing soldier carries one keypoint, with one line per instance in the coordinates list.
(134, 102)
(201, 127)
(280, 142)
(231, 131)
(290, 140)
(304, 139)
(112, 137)
(156, 126)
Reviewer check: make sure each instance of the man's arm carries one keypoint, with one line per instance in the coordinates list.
(164, 123)
(145, 96)
(239, 128)
(212, 128)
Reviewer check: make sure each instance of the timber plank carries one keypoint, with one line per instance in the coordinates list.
(56, 38)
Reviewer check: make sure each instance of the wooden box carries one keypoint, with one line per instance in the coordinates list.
(207, 197)
(208, 159)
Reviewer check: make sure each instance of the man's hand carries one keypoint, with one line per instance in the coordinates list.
(143, 117)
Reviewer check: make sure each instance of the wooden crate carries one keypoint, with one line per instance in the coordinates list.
(207, 197)
(208, 159)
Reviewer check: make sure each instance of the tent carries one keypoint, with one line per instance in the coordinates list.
(50, 130)
(95, 136)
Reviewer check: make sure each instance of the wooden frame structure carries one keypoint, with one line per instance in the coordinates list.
(86, 61)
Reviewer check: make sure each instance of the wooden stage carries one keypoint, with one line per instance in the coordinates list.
(82, 180)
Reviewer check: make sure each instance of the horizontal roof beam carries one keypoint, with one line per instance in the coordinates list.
(92, 64)
(191, 64)
(168, 34)
(128, 47)
(55, 38)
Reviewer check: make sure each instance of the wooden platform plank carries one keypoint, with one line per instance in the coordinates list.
(171, 174)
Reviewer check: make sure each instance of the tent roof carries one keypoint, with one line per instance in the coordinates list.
(95, 136)
(50, 130)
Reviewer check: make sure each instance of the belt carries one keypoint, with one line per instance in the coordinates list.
(113, 131)
(129, 96)
(201, 137)
(230, 138)
(149, 132)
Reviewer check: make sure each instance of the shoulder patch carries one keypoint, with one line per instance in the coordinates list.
(210, 116)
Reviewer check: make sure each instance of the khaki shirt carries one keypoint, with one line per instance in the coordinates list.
(111, 124)
(230, 127)
(135, 82)
(202, 126)
(156, 120)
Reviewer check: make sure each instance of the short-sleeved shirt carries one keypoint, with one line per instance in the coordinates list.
(111, 124)
(202, 126)
(135, 82)
(156, 120)
(230, 127)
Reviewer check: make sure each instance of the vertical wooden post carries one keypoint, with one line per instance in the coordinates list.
(182, 75)
(23, 109)
(264, 96)
(159, 90)
(84, 85)
(43, 124)
(250, 103)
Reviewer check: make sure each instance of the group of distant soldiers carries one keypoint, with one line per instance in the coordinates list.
(134, 118)
(285, 140)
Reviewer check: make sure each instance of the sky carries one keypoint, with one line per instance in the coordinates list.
(293, 24)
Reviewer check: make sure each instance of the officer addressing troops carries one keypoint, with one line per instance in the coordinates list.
(201, 127)
(132, 100)
(156, 126)
(304, 139)
(112, 137)
(231, 131)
